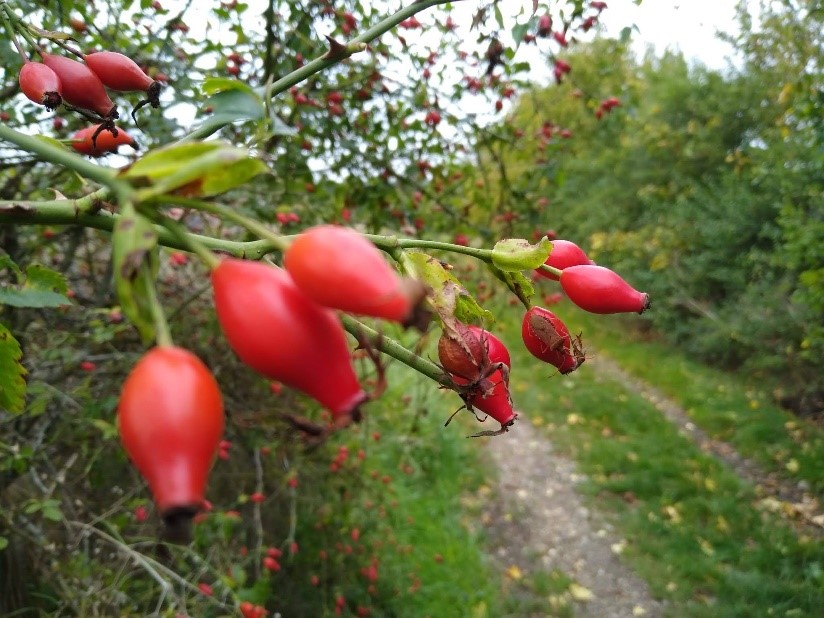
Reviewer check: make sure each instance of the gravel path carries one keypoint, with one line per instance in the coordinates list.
(542, 523)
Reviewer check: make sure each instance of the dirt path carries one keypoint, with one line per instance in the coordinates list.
(542, 523)
(777, 494)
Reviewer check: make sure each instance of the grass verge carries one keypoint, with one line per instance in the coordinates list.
(724, 405)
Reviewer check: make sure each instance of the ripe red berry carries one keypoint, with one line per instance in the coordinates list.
(170, 419)
(205, 589)
(339, 268)
(80, 86)
(469, 354)
(236, 58)
(544, 25)
(495, 401)
(257, 497)
(564, 254)
(468, 351)
(284, 335)
(88, 366)
(85, 142)
(40, 84)
(270, 564)
(547, 338)
(119, 72)
(560, 69)
(600, 290)
(433, 118)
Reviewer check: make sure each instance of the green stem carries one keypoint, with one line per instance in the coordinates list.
(196, 247)
(550, 269)
(254, 226)
(20, 26)
(390, 243)
(395, 350)
(329, 59)
(10, 28)
(71, 212)
(163, 335)
(60, 156)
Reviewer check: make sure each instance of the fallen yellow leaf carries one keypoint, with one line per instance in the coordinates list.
(579, 593)
(514, 572)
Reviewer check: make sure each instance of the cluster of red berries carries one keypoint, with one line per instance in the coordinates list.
(82, 85)
(479, 363)
(281, 323)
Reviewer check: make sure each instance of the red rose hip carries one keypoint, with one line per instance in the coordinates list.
(284, 335)
(600, 290)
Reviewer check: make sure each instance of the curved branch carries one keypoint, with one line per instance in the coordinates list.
(67, 212)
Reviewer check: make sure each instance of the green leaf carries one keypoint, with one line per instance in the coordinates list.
(163, 162)
(51, 141)
(449, 298)
(520, 285)
(32, 298)
(237, 105)
(39, 287)
(108, 430)
(134, 244)
(39, 277)
(518, 32)
(39, 396)
(499, 18)
(514, 254)
(626, 34)
(194, 169)
(7, 262)
(213, 85)
(51, 510)
(12, 373)
(4, 543)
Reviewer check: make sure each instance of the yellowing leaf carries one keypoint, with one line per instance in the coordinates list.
(705, 546)
(722, 524)
(580, 594)
(514, 573)
(479, 611)
(793, 466)
(672, 514)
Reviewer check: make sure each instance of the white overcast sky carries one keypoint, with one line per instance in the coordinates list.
(688, 25)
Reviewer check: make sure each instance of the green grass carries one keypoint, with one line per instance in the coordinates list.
(724, 405)
(692, 526)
